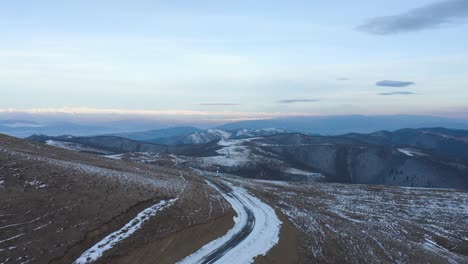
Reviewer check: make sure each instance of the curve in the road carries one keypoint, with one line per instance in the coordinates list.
(255, 232)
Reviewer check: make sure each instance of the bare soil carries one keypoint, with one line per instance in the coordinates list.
(287, 249)
(55, 203)
(178, 245)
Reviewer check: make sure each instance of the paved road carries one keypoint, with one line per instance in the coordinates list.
(255, 232)
(236, 238)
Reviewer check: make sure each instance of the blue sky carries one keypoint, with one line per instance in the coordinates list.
(234, 59)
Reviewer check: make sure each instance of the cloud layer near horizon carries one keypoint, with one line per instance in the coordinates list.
(430, 16)
(388, 83)
(293, 101)
(219, 104)
(397, 93)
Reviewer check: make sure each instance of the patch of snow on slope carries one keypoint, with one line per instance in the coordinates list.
(37, 184)
(431, 245)
(243, 133)
(411, 152)
(258, 132)
(263, 237)
(309, 175)
(232, 153)
(196, 138)
(207, 136)
(131, 227)
(224, 134)
(115, 156)
(273, 182)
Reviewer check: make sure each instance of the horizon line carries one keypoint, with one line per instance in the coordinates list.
(206, 116)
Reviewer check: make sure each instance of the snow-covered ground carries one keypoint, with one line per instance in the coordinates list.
(257, 132)
(96, 251)
(373, 223)
(263, 236)
(207, 136)
(232, 153)
(238, 154)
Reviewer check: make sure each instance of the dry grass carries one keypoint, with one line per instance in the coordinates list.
(342, 223)
(55, 203)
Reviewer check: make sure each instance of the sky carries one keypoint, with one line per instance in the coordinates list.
(234, 60)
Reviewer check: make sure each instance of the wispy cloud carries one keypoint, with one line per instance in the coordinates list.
(430, 16)
(293, 101)
(219, 104)
(342, 79)
(388, 83)
(397, 93)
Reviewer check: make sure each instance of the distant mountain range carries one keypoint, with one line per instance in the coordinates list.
(159, 135)
(338, 125)
(427, 157)
(113, 145)
(211, 135)
(439, 141)
(352, 161)
(25, 128)
(158, 132)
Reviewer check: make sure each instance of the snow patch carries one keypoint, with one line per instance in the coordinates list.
(279, 183)
(412, 152)
(11, 238)
(131, 227)
(258, 132)
(315, 176)
(224, 134)
(37, 184)
(114, 156)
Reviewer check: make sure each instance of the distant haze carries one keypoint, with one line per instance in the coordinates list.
(325, 125)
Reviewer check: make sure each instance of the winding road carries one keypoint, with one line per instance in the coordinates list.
(255, 232)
